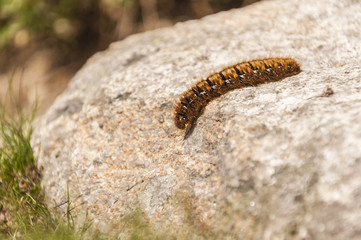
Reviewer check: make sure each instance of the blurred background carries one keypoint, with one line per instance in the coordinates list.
(44, 42)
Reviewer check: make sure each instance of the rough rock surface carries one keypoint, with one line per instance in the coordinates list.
(278, 161)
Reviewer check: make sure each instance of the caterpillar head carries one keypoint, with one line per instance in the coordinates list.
(180, 121)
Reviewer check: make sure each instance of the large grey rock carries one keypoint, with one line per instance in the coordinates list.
(279, 161)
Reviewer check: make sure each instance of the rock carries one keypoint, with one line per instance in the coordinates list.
(278, 161)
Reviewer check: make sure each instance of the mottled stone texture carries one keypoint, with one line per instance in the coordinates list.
(278, 161)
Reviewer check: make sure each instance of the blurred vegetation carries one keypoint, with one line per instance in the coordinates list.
(74, 26)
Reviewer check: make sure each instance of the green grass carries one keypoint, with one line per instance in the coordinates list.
(23, 214)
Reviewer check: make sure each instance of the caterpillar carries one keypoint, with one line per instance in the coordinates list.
(245, 74)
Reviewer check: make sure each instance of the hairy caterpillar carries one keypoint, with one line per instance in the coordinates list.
(243, 74)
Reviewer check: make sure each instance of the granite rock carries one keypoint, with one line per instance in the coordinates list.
(277, 161)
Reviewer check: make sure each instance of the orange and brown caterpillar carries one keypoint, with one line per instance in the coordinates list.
(243, 74)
